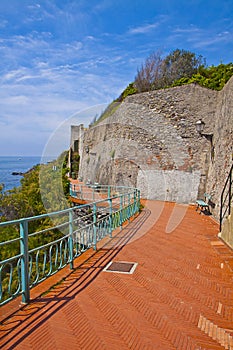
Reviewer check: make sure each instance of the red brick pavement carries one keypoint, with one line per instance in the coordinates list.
(179, 297)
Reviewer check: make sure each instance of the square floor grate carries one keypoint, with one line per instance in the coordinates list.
(121, 267)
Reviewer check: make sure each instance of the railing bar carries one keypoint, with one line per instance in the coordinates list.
(227, 179)
(227, 196)
(224, 200)
(48, 229)
(48, 244)
(2, 262)
(10, 241)
(80, 238)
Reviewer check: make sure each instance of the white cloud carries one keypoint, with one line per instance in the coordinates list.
(38, 13)
(33, 7)
(72, 57)
(212, 39)
(36, 98)
(148, 27)
(143, 29)
(204, 40)
(187, 30)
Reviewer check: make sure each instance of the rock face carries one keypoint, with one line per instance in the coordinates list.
(151, 142)
(223, 143)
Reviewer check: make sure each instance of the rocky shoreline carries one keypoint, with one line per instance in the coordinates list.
(20, 173)
(17, 173)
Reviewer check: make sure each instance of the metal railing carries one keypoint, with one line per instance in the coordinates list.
(93, 192)
(68, 234)
(226, 198)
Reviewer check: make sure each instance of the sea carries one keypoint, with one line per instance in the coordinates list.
(11, 164)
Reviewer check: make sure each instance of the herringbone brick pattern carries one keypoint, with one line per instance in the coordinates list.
(179, 297)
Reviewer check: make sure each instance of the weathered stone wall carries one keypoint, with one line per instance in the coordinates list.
(151, 142)
(227, 230)
(223, 144)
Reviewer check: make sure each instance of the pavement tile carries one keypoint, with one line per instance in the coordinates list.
(179, 296)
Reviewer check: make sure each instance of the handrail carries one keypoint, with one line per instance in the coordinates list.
(73, 231)
(226, 197)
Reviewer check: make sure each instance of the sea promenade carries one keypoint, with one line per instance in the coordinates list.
(180, 295)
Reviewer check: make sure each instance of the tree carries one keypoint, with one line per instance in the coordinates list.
(181, 64)
(159, 73)
(26, 201)
(150, 73)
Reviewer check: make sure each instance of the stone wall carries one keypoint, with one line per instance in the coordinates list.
(150, 141)
(227, 230)
(223, 143)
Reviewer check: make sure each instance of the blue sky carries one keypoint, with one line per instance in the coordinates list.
(61, 57)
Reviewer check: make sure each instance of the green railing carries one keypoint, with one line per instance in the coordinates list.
(76, 229)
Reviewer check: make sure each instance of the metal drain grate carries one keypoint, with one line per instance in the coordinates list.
(121, 267)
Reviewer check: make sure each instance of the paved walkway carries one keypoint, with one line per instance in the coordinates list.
(180, 295)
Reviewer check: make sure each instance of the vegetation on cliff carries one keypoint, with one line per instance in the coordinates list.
(26, 201)
(211, 77)
(177, 68)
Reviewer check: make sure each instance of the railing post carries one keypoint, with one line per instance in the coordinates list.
(136, 201)
(94, 226)
(70, 240)
(109, 191)
(121, 208)
(139, 201)
(24, 261)
(129, 207)
(71, 189)
(229, 204)
(110, 216)
(81, 191)
(220, 215)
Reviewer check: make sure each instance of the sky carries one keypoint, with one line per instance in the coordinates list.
(63, 61)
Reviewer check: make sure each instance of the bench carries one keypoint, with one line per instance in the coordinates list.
(203, 205)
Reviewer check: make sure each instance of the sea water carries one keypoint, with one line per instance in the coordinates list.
(11, 164)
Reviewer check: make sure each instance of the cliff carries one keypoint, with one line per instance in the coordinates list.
(151, 142)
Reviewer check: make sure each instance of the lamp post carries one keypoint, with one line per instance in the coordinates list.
(200, 125)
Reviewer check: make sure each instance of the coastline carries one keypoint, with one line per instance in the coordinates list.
(13, 168)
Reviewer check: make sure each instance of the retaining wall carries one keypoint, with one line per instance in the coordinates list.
(150, 141)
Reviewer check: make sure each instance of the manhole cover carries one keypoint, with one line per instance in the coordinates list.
(121, 267)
